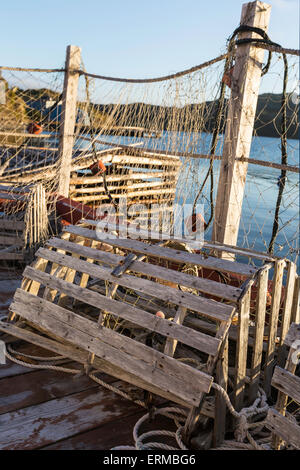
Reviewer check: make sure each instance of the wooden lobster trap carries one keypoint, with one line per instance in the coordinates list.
(140, 311)
(143, 177)
(23, 221)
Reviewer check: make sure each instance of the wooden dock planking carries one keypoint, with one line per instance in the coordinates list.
(38, 425)
(38, 386)
(116, 432)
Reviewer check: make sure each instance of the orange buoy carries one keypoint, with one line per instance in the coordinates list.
(160, 314)
(194, 223)
(227, 77)
(98, 167)
(34, 128)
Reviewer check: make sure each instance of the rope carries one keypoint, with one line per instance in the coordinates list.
(115, 390)
(36, 358)
(39, 366)
(283, 138)
(157, 79)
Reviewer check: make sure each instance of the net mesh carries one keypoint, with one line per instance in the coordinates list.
(155, 140)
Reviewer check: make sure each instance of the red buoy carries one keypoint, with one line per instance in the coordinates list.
(194, 222)
(98, 167)
(34, 128)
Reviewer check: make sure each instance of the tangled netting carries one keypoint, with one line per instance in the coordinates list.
(161, 141)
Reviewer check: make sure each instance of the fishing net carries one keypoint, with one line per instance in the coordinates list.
(161, 142)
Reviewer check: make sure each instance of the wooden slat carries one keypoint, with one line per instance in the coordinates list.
(206, 286)
(124, 188)
(11, 256)
(220, 405)
(81, 356)
(275, 305)
(170, 345)
(242, 349)
(283, 427)
(292, 335)
(207, 307)
(282, 398)
(11, 240)
(288, 300)
(168, 253)
(187, 336)
(287, 383)
(11, 224)
(133, 194)
(152, 366)
(194, 413)
(260, 314)
(239, 251)
(295, 318)
(134, 232)
(115, 178)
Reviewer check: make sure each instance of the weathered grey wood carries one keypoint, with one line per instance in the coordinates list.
(59, 418)
(68, 118)
(168, 253)
(81, 356)
(140, 317)
(240, 120)
(275, 305)
(206, 286)
(283, 427)
(287, 383)
(295, 317)
(8, 224)
(290, 366)
(11, 240)
(288, 300)
(11, 256)
(152, 366)
(132, 194)
(118, 188)
(210, 308)
(194, 414)
(260, 314)
(236, 250)
(292, 335)
(242, 349)
(115, 178)
(220, 405)
(171, 344)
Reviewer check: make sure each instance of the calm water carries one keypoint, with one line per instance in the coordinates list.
(260, 192)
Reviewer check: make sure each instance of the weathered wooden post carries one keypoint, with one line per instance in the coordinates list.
(239, 128)
(68, 118)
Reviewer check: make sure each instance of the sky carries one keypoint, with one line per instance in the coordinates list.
(130, 38)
